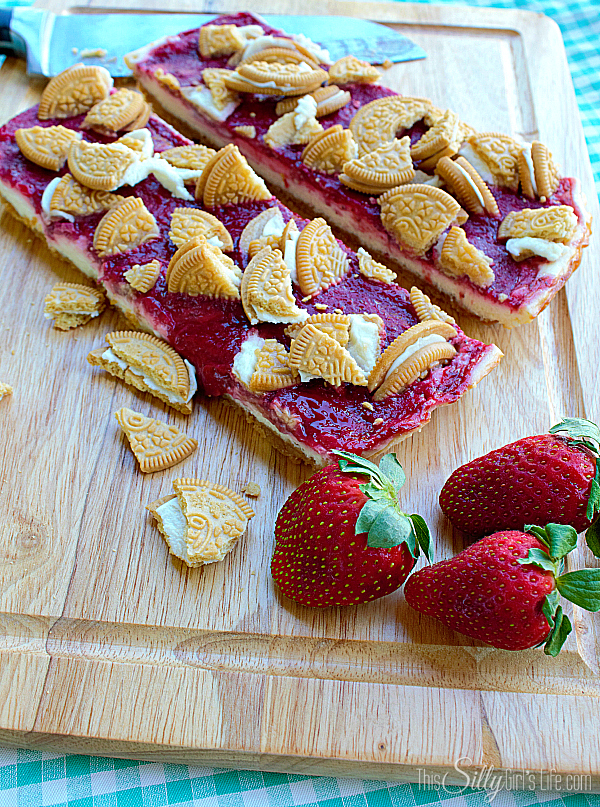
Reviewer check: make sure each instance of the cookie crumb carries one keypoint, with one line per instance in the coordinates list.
(368, 405)
(387, 64)
(377, 421)
(338, 311)
(304, 299)
(321, 306)
(251, 489)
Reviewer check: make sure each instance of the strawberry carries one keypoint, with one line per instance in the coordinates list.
(341, 537)
(537, 480)
(505, 589)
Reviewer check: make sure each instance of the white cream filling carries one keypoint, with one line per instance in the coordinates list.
(469, 153)
(363, 344)
(410, 351)
(321, 54)
(249, 32)
(175, 527)
(202, 99)
(146, 139)
(47, 200)
(275, 225)
(549, 250)
(471, 183)
(111, 356)
(306, 109)
(530, 167)
(289, 255)
(244, 362)
(90, 314)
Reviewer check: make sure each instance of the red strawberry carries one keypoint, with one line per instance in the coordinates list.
(547, 478)
(504, 589)
(341, 538)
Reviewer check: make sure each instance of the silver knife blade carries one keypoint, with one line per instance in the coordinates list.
(55, 42)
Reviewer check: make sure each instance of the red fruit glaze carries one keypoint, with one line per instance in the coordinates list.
(536, 480)
(318, 560)
(483, 592)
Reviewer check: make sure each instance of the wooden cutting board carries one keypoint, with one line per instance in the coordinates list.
(110, 646)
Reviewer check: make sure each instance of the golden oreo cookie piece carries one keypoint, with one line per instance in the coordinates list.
(350, 70)
(72, 197)
(550, 223)
(387, 167)
(215, 519)
(228, 179)
(500, 153)
(219, 40)
(246, 131)
(329, 99)
(256, 246)
(330, 151)
(155, 445)
(214, 78)
(320, 261)
(115, 112)
(46, 146)
(100, 166)
(125, 227)
(444, 136)
(546, 176)
(335, 325)
(275, 78)
(417, 214)
(282, 55)
(168, 79)
(74, 91)
(266, 290)
(253, 231)
(406, 340)
(317, 354)
(292, 130)
(148, 364)
(459, 257)
(369, 267)
(378, 122)
(426, 309)
(198, 267)
(194, 158)
(414, 367)
(465, 183)
(143, 276)
(188, 222)
(72, 304)
(141, 120)
(272, 370)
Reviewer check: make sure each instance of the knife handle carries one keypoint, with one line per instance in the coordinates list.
(9, 44)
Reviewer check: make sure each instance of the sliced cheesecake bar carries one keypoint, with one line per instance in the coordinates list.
(504, 229)
(313, 340)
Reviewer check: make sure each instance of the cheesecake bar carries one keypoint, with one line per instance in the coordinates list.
(504, 229)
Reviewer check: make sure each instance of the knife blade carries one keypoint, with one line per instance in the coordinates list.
(52, 42)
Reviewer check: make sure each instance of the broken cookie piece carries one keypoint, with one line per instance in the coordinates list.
(156, 445)
(202, 521)
(72, 304)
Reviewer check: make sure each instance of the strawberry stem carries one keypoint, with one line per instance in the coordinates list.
(381, 518)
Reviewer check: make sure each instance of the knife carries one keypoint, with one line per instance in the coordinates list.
(52, 42)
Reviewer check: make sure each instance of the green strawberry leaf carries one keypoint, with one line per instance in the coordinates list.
(578, 428)
(594, 499)
(551, 605)
(560, 631)
(421, 531)
(369, 513)
(373, 492)
(559, 538)
(592, 538)
(390, 528)
(352, 463)
(539, 532)
(392, 469)
(538, 557)
(581, 587)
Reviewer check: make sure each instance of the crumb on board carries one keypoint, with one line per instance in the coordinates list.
(251, 489)
(92, 53)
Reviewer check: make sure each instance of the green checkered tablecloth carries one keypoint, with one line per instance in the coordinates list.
(40, 779)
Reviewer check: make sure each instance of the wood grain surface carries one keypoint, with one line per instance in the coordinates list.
(108, 645)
